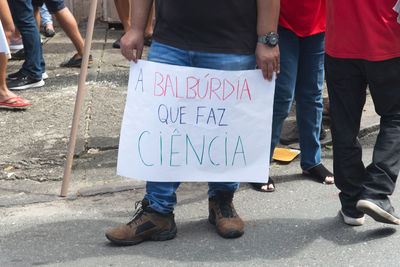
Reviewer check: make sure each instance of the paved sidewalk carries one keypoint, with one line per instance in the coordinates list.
(34, 142)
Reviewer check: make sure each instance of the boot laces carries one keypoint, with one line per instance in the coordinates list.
(224, 203)
(138, 213)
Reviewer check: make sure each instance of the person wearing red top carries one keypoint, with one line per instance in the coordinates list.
(301, 43)
(363, 49)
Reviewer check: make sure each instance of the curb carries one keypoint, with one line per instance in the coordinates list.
(23, 198)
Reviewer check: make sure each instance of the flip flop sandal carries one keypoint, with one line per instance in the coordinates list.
(259, 186)
(319, 173)
(15, 102)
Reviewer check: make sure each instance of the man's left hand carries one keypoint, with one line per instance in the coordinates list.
(268, 60)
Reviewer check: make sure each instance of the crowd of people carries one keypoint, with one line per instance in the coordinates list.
(295, 41)
(188, 34)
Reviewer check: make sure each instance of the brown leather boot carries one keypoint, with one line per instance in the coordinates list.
(147, 224)
(223, 215)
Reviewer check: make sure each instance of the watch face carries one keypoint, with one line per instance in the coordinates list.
(272, 39)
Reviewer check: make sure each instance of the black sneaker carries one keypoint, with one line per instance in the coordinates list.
(19, 55)
(117, 43)
(379, 209)
(24, 82)
(19, 75)
(148, 39)
(15, 76)
(147, 224)
(73, 62)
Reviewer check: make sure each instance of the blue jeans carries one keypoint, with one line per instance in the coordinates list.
(45, 16)
(301, 77)
(22, 13)
(162, 194)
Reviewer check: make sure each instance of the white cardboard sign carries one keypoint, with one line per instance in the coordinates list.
(196, 125)
(3, 41)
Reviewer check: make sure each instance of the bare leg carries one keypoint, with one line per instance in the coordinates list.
(36, 14)
(123, 9)
(6, 20)
(6, 94)
(149, 26)
(68, 24)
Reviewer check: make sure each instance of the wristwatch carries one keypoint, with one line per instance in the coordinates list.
(271, 39)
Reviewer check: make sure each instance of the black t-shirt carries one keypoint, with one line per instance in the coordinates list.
(215, 26)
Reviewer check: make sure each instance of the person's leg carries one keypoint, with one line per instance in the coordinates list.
(45, 16)
(384, 84)
(154, 219)
(8, 99)
(162, 195)
(148, 31)
(68, 24)
(222, 62)
(123, 10)
(214, 187)
(285, 83)
(222, 213)
(6, 20)
(381, 175)
(36, 14)
(22, 11)
(309, 106)
(284, 91)
(4, 92)
(347, 92)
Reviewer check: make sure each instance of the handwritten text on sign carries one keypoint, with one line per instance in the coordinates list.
(193, 124)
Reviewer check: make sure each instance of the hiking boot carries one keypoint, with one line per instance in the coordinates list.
(147, 224)
(379, 209)
(222, 214)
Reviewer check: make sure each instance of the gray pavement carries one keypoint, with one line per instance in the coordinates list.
(295, 226)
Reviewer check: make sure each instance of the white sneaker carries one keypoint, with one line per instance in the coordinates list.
(352, 221)
(45, 76)
(16, 44)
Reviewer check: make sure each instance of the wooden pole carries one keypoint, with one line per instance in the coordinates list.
(79, 98)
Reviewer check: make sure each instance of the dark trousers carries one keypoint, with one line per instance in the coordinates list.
(347, 81)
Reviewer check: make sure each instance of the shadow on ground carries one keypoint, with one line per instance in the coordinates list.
(196, 241)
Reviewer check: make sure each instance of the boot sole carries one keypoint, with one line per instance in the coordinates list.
(159, 236)
(377, 213)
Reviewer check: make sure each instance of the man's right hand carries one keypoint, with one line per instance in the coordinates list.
(132, 40)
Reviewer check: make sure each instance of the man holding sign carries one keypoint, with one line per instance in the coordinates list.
(203, 34)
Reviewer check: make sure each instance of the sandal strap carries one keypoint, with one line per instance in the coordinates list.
(320, 172)
(16, 100)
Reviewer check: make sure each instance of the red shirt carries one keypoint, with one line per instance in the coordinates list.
(303, 17)
(362, 29)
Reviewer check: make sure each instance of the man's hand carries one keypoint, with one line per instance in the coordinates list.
(132, 40)
(268, 60)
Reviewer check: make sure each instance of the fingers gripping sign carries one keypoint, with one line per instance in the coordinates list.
(268, 60)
